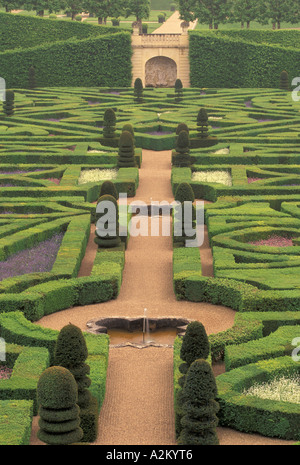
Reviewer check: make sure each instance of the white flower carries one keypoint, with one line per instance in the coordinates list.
(284, 389)
(96, 175)
(219, 177)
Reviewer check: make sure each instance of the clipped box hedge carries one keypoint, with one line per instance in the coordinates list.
(254, 415)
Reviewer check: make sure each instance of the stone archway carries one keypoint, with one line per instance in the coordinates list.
(160, 71)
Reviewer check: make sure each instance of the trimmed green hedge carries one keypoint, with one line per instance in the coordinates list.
(15, 422)
(73, 63)
(227, 62)
(251, 414)
(18, 31)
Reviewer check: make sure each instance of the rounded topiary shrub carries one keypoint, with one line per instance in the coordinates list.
(128, 127)
(195, 343)
(199, 406)
(57, 396)
(78, 18)
(178, 90)
(184, 193)
(107, 233)
(284, 81)
(182, 127)
(126, 154)
(109, 123)
(108, 188)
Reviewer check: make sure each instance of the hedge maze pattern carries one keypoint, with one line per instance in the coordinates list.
(253, 223)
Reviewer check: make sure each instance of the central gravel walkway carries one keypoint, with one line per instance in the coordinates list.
(138, 408)
(172, 25)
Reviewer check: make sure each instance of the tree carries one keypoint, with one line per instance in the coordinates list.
(138, 8)
(57, 396)
(245, 11)
(211, 12)
(199, 420)
(10, 5)
(41, 5)
(278, 11)
(104, 9)
(74, 7)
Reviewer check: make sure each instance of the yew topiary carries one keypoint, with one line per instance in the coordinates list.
(57, 396)
(178, 91)
(109, 237)
(126, 154)
(109, 124)
(108, 188)
(284, 81)
(138, 90)
(182, 156)
(202, 123)
(199, 406)
(9, 103)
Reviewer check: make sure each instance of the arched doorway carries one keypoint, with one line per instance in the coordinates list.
(160, 72)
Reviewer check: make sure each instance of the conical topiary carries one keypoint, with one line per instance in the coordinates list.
(199, 420)
(195, 345)
(57, 396)
(126, 154)
(138, 90)
(182, 156)
(9, 103)
(108, 188)
(202, 123)
(284, 81)
(178, 91)
(109, 124)
(71, 353)
(183, 230)
(107, 233)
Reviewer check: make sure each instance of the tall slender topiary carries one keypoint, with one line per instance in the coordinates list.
(138, 90)
(71, 353)
(195, 345)
(284, 81)
(182, 156)
(107, 230)
(109, 124)
(9, 103)
(126, 154)
(199, 420)
(182, 230)
(178, 91)
(31, 77)
(202, 123)
(57, 396)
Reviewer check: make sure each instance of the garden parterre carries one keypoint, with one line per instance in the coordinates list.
(56, 133)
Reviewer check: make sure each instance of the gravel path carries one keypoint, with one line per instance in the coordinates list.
(138, 406)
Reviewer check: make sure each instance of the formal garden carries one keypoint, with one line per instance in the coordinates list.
(75, 133)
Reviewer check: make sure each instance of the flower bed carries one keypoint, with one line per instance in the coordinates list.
(40, 258)
(219, 177)
(96, 175)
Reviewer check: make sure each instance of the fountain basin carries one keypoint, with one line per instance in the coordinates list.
(128, 332)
